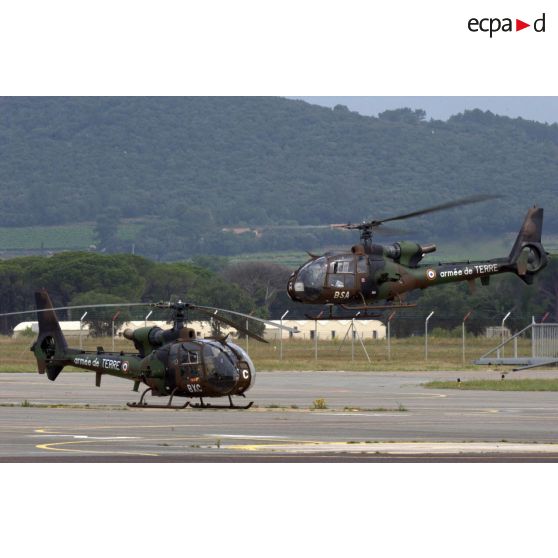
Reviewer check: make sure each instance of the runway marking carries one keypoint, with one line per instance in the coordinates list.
(248, 436)
(360, 414)
(84, 436)
(46, 430)
(430, 448)
(50, 447)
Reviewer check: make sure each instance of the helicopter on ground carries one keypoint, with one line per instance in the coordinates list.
(172, 362)
(369, 273)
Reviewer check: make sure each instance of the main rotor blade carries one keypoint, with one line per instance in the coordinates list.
(232, 324)
(389, 231)
(335, 227)
(127, 304)
(269, 322)
(448, 205)
(113, 305)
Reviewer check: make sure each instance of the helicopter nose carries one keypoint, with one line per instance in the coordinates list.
(295, 288)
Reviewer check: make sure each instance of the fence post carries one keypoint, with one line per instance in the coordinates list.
(146, 318)
(389, 334)
(113, 320)
(353, 339)
(80, 330)
(533, 336)
(465, 318)
(281, 336)
(503, 321)
(426, 335)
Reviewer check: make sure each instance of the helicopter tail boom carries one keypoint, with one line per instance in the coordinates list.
(50, 347)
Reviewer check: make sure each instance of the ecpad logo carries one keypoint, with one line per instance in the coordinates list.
(492, 25)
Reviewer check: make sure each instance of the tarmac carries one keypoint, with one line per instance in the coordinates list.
(369, 416)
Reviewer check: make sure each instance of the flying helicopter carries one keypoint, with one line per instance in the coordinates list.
(171, 363)
(368, 273)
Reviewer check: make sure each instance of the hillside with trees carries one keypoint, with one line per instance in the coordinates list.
(164, 176)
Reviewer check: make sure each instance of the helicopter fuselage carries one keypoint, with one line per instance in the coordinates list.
(343, 278)
(369, 273)
(187, 367)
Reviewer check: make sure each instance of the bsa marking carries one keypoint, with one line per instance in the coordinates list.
(430, 274)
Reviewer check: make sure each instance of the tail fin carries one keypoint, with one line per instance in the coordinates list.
(50, 347)
(528, 254)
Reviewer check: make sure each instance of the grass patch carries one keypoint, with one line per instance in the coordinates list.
(542, 384)
(60, 237)
(319, 404)
(407, 354)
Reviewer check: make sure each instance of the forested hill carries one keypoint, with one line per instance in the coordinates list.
(181, 169)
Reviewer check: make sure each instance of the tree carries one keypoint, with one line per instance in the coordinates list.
(261, 280)
(100, 319)
(106, 229)
(403, 115)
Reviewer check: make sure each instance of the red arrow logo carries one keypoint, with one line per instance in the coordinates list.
(519, 25)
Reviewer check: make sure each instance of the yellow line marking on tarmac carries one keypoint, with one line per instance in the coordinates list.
(49, 447)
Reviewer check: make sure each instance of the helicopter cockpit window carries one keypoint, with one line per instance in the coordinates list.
(341, 280)
(341, 272)
(343, 264)
(218, 362)
(313, 273)
(189, 359)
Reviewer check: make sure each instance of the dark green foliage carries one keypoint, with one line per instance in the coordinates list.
(106, 229)
(181, 169)
(100, 321)
(78, 278)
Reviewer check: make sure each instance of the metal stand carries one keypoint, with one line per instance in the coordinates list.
(352, 330)
(142, 405)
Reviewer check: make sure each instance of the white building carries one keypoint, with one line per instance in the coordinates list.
(69, 329)
(327, 329)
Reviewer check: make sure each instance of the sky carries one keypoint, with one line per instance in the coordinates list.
(542, 109)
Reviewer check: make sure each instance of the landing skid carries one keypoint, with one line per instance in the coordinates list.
(231, 405)
(142, 405)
